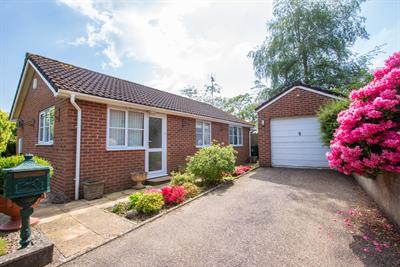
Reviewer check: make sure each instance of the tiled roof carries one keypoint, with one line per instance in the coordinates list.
(72, 78)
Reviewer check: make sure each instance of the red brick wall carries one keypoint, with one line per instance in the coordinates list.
(182, 141)
(61, 153)
(297, 103)
(113, 167)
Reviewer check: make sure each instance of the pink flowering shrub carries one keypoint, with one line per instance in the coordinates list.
(368, 138)
(173, 194)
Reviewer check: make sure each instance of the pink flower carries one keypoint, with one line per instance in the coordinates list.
(365, 237)
(368, 138)
(366, 250)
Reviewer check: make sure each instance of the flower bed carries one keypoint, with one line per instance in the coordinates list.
(146, 204)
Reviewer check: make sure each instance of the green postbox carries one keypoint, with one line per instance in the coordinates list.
(24, 184)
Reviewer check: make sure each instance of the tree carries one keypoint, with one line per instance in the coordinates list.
(241, 106)
(211, 90)
(6, 130)
(190, 91)
(310, 41)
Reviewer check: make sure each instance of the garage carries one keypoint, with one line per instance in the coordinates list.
(288, 128)
(296, 142)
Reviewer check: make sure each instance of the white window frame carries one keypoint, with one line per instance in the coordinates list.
(126, 147)
(50, 127)
(237, 131)
(203, 122)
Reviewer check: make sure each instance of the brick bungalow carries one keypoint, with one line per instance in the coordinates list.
(93, 126)
(288, 129)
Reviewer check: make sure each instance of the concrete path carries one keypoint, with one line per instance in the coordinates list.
(80, 225)
(270, 217)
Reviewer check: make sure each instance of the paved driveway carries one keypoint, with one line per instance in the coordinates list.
(271, 217)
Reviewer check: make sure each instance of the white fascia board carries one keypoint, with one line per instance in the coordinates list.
(44, 79)
(298, 87)
(120, 103)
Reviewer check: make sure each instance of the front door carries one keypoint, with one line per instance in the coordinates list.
(156, 151)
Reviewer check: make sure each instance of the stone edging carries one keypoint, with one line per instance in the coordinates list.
(139, 225)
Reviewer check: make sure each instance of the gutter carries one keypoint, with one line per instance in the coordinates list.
(78, 146)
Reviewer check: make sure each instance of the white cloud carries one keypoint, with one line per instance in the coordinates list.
(184, 41)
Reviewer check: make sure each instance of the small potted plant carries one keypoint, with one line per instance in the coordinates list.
(138, 178)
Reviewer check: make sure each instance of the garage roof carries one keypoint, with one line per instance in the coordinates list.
(303, 86)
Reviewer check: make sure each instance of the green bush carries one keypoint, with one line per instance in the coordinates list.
(134, 198)
(181, 178)
(191, 189)
(120, 208)
(10, 162)
(3, 247)
(327, 115)
(150, 202)
(210, 163)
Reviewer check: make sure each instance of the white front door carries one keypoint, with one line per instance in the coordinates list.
(156, 162)
(296, 142)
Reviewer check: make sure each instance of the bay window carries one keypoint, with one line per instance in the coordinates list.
(46, 127)
(203, 133)
(235, 136)
(125, 129)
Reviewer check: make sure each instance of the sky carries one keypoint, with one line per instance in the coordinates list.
(166, 45)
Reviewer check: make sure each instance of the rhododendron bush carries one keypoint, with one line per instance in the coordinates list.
(368, 138)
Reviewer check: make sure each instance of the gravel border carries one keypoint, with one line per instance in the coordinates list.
(139, 225)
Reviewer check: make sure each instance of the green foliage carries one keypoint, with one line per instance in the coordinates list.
(150, 202)
(120, 208)
(242, 106)
(6, 130)
(3, 247)
(327, 115)
(210, 163)
(134, 198)
(191, 189)
(10, 162)
(181, 178)
(311, 41)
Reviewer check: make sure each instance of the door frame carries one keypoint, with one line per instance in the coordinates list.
(163, 149)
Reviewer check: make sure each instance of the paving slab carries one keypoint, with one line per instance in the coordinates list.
(94, 218)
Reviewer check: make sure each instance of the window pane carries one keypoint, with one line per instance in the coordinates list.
(51, 124)
(240, 133)
(135, 138)
(41, 120)
(117, 118)
(199, 133)
(41, 134)
(199, 139)
(46, 134)
(155, 130)
(207, 133)
(230, 130)
(117, 137)
(231, 139)
(155, 161)
(135, 120)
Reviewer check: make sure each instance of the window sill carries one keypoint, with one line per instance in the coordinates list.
(203, 146)
(44, 144)
(237, 145)
(124, 148)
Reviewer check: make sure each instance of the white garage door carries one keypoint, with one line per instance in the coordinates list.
(296, 142)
